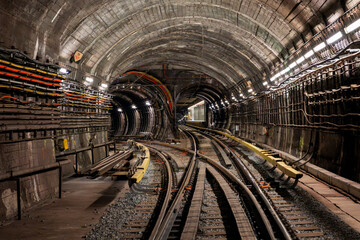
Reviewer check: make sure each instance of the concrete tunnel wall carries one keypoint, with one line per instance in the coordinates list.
(22, 154)
(336, 152)
(34, 189)
(259, 43)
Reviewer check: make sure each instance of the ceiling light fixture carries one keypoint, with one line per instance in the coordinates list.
(292, 65)
(63, 71)
(334, 38)
(319, 47)
(300, 60)
(274, 77)
(285, 71)
(89, 79)
(309, 54)
(353, 26)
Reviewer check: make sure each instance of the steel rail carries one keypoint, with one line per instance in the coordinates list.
(249, 194)
(234, 179)
(191, 225)
(169, 219)
(245, 230)
(105, 168)
(167, 198)
(107, 163)
(275, 161)
(250, 177)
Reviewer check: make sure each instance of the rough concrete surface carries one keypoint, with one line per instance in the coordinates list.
(84, 200)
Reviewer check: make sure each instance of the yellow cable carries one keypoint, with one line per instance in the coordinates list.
(31, 69)
(32, 91)
(70, 91)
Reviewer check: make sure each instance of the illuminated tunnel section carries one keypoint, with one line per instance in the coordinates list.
(217, 106)
(142, 104)
(196, 112)
(143, 108)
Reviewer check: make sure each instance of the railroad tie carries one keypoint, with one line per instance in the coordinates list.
(242, 221)
(192, 222)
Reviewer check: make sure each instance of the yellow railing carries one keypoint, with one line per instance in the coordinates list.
(275, 161)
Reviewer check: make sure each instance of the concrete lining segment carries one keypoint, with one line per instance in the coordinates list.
(186, 40)
(98, 25)
(192, 64)
(104, 43)
(231, 75)
(204, 8)
(211, 43)
(228, 63)
(103, 14)
(239, 36)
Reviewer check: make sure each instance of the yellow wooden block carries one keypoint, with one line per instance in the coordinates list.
(291, 172)
(66, 144)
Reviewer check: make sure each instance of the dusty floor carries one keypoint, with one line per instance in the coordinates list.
(83, 203)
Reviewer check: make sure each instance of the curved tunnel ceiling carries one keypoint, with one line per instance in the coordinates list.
(194, 42)
(230, 41)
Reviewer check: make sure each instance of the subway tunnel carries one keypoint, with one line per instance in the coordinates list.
(164, 119)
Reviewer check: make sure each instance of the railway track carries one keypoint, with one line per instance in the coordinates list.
(225, 196)
(149, 212)
(214, 181)
(249, 225)
(221, 215)
(239, 218)
(299, 225)
(177, 207)
(292, 214)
